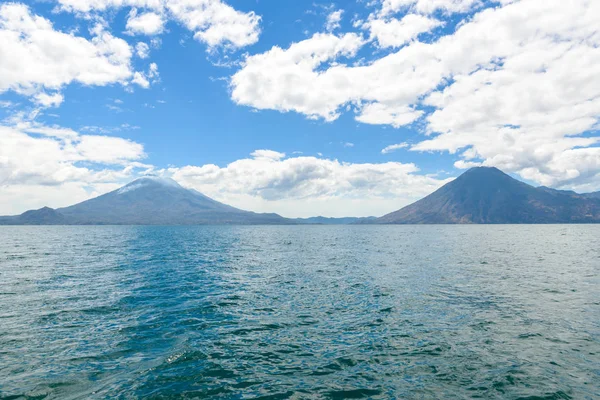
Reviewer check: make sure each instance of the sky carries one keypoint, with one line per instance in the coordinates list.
(304, 108)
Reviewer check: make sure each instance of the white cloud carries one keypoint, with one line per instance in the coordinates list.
(535, 89)
(348, 144)
(429, 6)
(149, 23)
(394, 147)
(143, 79)
(216, 23)
(153, 70)
(298, 79)
(286, 80)
(63, 134)
(42, 58)
(397, 32)
(70, 144)
(308, 186)
(212, 21)
(267, 155)
(142, 50)
(108, 150)
(388, 114)
(515, 86)
(333, 20)
(156, 42)
(88, 6)
(48, 100)
(108, 129)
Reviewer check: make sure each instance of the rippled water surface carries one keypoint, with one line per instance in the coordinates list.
(302, 312)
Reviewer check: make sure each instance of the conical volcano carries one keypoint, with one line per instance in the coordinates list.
(147, 201)
(486, 195)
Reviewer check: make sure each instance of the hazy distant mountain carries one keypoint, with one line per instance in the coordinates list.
(595, 195)
(334, 221)
(480, 195)
(43, 216)
(489, 196)
(146, 201)
(551, 190)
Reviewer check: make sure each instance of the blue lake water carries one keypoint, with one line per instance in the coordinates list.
(301, 312)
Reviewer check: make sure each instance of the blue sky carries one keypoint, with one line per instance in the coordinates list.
(288, 106)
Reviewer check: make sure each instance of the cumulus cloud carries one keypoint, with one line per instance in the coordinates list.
(62, 146)
(48, 100)
(514, 86)
(430, 6)
(88, 6)
(142, 50)
(212, 21)
(309, 78)
(333, 20)
(395, 115)
(304, 186)
(267, 155)
(40, 58)
(397, 32)
(149, 23)
(534, 94)
(143, 79)
(108, 150)
(216, 23)
(287, 80)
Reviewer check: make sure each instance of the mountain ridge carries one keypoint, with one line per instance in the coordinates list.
(486, 195)
(320, 220)
(147, 201)
(481, 195)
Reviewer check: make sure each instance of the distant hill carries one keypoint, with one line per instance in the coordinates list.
(43, 216)
(595, 195)
(146, 201)
(334, 221)
(489, 196)
(479, 196)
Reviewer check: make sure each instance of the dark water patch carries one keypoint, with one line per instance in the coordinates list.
(529, 335)
(550, 396)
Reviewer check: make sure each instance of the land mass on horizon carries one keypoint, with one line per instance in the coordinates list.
(482, 195)
(486, 195)
(146, 201)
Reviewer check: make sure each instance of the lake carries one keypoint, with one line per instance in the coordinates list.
(300, 312)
